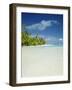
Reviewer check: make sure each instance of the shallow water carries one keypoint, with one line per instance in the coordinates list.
(42, 61)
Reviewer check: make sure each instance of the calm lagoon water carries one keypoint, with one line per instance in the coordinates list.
(42, 61)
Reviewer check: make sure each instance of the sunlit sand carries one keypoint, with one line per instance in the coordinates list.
(42, 61)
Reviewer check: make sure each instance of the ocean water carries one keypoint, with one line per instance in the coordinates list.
(46, 45)
(45, 60)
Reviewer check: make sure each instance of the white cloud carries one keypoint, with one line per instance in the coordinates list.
(42, 25)
(60, 39)
(54, 39)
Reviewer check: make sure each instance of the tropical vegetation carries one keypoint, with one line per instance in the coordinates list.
(27, 39)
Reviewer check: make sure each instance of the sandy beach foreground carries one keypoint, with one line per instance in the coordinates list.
(42, 61)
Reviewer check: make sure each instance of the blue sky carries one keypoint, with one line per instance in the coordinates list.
(47, 26)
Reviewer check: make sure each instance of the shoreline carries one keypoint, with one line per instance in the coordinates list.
(46, 45)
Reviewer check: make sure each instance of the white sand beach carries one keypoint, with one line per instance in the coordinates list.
(42, 61)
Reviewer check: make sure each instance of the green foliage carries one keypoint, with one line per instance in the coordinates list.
(28, 40)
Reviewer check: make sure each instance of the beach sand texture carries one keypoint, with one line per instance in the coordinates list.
(41, 61)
